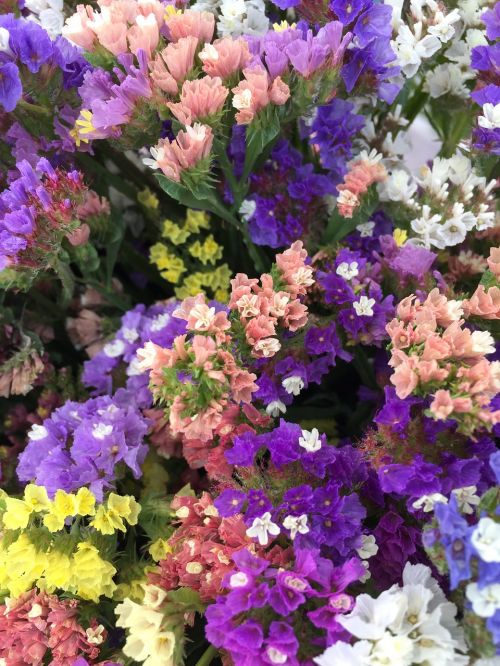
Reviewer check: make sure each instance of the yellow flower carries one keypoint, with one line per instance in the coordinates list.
(53, 522)
(24, 565)
(58, 571)
(91, 575)
(148, 199)
(400, 236)
(221, 277)
(197, 220)
(281, 27)
(107, 521)
(158, 549)
(85, 502)
(83, 126)
(170, 266)
(125, 507)
(17, 514)
(174, 233)
(36, 497)
(207, 252)
(170, 10)
(221, 295)
(64, 504)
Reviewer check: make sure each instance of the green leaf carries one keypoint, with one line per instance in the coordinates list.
(338, 227)
(67, 278)
(489, 280)
(199, 198)
(188, 598)
(114, 243)
(257, 139)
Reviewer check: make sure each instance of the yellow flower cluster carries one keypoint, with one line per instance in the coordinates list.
(180, 252)
(35, 549)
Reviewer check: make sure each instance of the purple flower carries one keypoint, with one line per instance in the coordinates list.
(230, 502)
(288, 593)
(495, 464)
(491, 18)
(454, 535)
(281, 643)
(348, 10)
(11, 88)
(307, 55)
(33, 45)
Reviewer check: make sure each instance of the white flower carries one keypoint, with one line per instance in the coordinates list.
(368, 547)
(428, 502)
(466, 498)
(492, 661)
(247, 209)
(4, 41)
(482, 342)
(159, 322)
(296, 525)
(443, 27)
(366, 229)
(310, 440)
(130, 334)
(239, 579)
(209, 52)
(114, 348)
(344, 654)
(275, 407)
(427, 226)
(262, 527)
(95, 635)
(242, 100)
(485, 600)
(102, 430)
(52, 21)
(491, 116)
(347, 271)
(445, 79)
(364, 307)
(38, 432)
(393, 651)
(398, 186)
(452, 232)
(293, 385)
(154, 596)
(371, 617)
(276, 656)
(486, 540)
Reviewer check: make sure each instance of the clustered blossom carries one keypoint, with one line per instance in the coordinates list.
(432, 348)
(38, 626)
(457, 201)
(200, 552)
(466, 541)
(85, 444)
(404, 625)
(363, 171)
(38, 210)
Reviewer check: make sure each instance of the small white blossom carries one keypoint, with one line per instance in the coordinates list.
(95, 635)
(428, 502)
(114, 348)
(130, 334)
(364, 307)
(275, 407)
(347, 270)
(486, 540)
(296, 525)
(485, 600)
(262, 527)
(366, 229)
(102, 430)
(239, 579)
(293, 385)
(310, 440)
(247, 209)
(491, 116)
(38, 432)
(466, 498)
(160, 322)
(368, 547)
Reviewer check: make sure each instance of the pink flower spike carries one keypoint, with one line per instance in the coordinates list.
(442, 405)
(179, 57)
(78, 30)
(187, 150)
(494, 261)
(225, 56)
(199, 99)
(190, 23)
(144, 35)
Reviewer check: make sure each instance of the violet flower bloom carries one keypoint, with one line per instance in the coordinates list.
(11, 88)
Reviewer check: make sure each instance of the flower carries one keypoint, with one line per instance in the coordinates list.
(310, 440)
(262, 527)
(486, 540)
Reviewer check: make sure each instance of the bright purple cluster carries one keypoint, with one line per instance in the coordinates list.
(272, 616)
(288, 198)
(30, 51)
(138, 326)
(485, 59)
(86, 444)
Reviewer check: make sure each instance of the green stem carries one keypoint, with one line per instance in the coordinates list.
(207, 657)
(33, 108)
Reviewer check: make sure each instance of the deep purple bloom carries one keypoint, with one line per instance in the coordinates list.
(230, 502)
(11, 87)
(492, 20)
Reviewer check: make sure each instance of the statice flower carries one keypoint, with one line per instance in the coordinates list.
(285, 595)
(405, 625)
(85, 444)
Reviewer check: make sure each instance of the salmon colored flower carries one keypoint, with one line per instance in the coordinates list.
(191, 23)
(199, 99)
(225, 56)
(189, 147)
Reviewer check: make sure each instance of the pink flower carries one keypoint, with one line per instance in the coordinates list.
(79, 236)
(161, 76)
(295, 315)
(494, 261)
(187, 150)
(484, 304)
(251, 95)
(362, 173)
(442, 405)
(266, 347)
(445, 311)
(400, 334)
(201, 317)
(199, 99)
(179, 57)
(435, 348)
(243, 385)
(430, 371)
(347, 202)
(259, 327)
(279, 92)
(190, 23)
(462, 405)
(77, 28)
(113, 36)
(404, 377)
(144, 34)
(225, 56)
(203, 347)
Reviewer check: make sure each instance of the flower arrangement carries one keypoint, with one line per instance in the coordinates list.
(249, 333)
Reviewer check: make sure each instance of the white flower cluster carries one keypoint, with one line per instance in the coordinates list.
(236, 17)
(412, 624)
(47, 13)
(452, 200)
(147, 641)
(427, 29)
(485, 599)
(451, 77)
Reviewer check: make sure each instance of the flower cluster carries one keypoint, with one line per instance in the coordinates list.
(179, 239)
(432, 348)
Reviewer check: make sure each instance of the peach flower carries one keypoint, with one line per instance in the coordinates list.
(225, 56)
(442, 405)
(494, 261)
(484, 304)
(144, 34)
(77, 28)
(199, 99)
(187, 150)
(190, 23)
